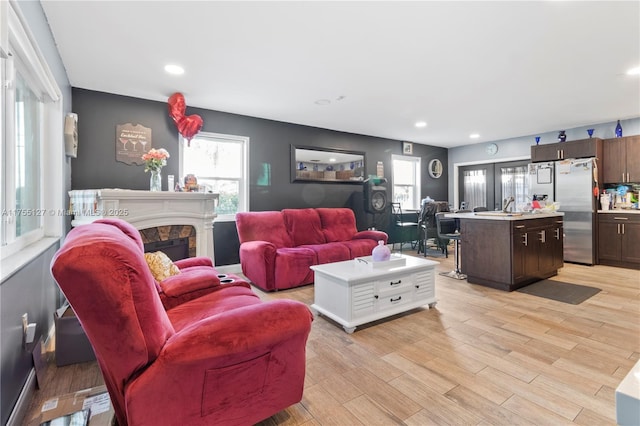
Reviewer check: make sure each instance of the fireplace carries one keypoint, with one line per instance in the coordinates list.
(159, 216)
(176, 241)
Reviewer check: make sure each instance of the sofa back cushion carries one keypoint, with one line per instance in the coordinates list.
(303, 226)
(338, 224)
(262, 226)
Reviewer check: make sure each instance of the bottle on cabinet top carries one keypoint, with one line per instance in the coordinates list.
(618, 130)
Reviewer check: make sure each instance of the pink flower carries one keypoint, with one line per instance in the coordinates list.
(155, 159)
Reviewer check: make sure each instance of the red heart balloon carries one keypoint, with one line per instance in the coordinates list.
(177, 107)
(189, 126)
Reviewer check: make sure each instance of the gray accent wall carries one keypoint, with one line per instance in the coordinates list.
(31, 289)
(269, 148)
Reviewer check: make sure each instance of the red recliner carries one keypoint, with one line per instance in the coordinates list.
(223, 358)
(197, 275)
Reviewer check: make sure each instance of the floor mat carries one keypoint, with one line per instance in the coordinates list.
(560, 291)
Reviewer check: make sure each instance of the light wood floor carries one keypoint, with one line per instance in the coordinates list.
(481, 357)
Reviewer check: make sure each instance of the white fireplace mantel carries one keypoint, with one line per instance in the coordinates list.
(146, 209)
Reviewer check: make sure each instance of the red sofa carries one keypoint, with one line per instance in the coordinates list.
(224, 358)
(278, 247)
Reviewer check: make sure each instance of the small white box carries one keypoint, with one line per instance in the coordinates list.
(393, 262)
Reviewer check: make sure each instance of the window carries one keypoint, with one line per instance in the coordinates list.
(31, 124)
(406, 181)
(515, 184)
(220, 162)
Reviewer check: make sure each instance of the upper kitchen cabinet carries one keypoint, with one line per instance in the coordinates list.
(582, 148)
(620, 162)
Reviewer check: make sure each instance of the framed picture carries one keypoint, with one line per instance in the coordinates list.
(407, 148)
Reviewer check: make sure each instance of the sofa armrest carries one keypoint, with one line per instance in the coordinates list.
(253, 327)
(252, 350)
(189, 281)
(371, 235)
(193, 261)
(258, 261)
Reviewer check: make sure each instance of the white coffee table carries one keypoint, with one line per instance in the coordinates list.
(353, 293)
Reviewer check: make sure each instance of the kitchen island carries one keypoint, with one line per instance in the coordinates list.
(510, 250)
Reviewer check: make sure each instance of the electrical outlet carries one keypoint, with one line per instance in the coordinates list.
(30, 333)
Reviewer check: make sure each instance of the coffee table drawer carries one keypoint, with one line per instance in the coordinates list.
(393, 285)
(389, 301)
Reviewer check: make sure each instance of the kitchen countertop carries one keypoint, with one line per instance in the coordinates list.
(620, 211)
(503, 216)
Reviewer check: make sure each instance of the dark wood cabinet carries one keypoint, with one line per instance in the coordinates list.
(543, 242)
(557, 243)
(620, 160)
(619, 239)
(583, 148)
(509, 254)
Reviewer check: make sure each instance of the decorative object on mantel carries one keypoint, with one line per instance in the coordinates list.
(131, 140)
(618, 130)
(590, 132)
(154, 160)
(191, 183)
(188, 126)
(562, 136)
(537, 140)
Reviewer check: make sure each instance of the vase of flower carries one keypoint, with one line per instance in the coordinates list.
(155, 181)
(154, 160)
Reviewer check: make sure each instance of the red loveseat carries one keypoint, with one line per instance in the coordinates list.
(224, 358)
(278, 247)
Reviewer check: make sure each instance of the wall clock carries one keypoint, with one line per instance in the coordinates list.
(492, 149)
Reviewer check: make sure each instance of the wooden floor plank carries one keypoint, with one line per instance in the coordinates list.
(481, 357)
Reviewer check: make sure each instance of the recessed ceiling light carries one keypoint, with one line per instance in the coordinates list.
(174, 69)
(332, 160)
(634, 71)
(420, 124)
(323, 102)
(474, 135)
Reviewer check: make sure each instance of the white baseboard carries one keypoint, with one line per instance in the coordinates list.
(21, 408)
(229, 269)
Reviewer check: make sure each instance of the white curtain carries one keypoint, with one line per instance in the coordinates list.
(514, 184)
(475, 188)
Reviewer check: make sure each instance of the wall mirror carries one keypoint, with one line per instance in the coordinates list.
(317, 164)
(435, 168)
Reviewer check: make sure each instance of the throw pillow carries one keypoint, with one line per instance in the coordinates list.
(160, 265)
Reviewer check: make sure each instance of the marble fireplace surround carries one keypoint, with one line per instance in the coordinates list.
(146, 210)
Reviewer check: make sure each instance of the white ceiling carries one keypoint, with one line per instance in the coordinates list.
(500, 69)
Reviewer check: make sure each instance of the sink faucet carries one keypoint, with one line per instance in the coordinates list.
(507, 202)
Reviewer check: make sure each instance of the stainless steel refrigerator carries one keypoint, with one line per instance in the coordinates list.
(570, 183)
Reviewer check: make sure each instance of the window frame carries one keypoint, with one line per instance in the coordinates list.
(243, 181)
(23, 53)
(417, 165)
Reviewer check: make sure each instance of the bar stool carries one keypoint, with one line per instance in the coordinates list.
(447, 230)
